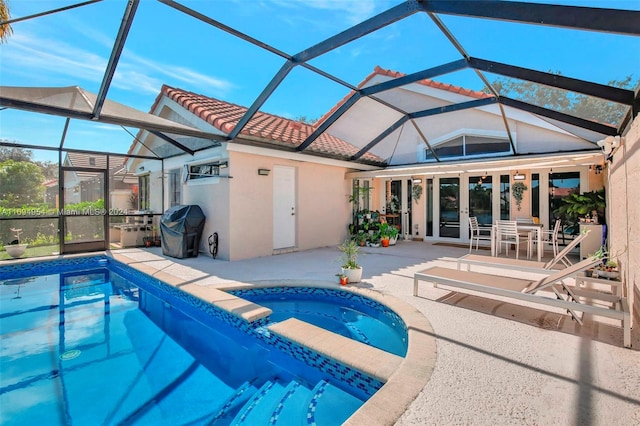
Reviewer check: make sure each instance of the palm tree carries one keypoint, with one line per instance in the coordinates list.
(5, 15)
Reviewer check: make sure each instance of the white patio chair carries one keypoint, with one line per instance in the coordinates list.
(508, 235)
(478, 233)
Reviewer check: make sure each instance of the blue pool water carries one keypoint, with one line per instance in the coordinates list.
(82, 344)
(341, 312)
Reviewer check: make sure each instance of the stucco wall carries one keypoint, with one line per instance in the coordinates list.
(323, 211)
(624, 212)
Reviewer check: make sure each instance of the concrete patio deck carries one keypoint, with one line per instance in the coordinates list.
(496, 362)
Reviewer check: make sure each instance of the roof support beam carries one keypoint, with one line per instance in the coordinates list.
(330, 120)
(416, 76)
(380, 137)
(207, 20)
(381, 87)
(449, 35)
(576, 17)
(424, 139)
(172, 141)
(370, 25)
(602, 91)
(453, 107)
(425, 113)
(381, 20)
(262, 98)
(555, 115)
(49, 12)
(125, 26)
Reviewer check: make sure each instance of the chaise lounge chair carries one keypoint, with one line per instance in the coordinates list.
(522, 265)
(566, 297)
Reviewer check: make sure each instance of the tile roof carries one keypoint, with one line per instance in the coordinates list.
(395, 74)
(266, 127)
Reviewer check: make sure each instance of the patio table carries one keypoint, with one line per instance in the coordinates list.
(534, 227)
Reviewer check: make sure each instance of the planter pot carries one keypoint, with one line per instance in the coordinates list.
(353, 275)
(343, 280)
(385, 242)
(608, 274)
(16, 250)
(393, 240)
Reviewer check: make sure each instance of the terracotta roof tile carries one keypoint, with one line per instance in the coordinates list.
(271, 128)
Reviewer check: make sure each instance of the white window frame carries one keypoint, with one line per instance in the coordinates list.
(466, 132)
(187, 175)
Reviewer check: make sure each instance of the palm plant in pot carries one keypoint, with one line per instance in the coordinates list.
(349, 259)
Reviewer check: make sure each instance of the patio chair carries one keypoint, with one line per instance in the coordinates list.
(565, 296)
(477, 233)
(523, 265)
(508, 235)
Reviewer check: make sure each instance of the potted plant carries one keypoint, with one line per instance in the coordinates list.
(342, 279)
(361, 239)
(350, 267)
(518, 189)
(15, 249)
(374, 239)
(574, 206)
(385, 234)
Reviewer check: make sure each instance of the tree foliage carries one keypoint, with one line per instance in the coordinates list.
(49, 169)
(20, 183)
(576, 104)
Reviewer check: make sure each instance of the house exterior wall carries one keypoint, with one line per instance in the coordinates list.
(624, 213)
(322, 210)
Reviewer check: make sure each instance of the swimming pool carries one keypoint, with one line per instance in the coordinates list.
(83, 344)
(341, 312)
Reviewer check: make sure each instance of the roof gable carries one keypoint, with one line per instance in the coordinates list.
(267, 128)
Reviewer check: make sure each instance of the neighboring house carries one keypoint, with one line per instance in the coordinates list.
(262, 195)
(83, 181)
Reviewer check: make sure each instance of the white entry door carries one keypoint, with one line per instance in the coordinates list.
(284, 207)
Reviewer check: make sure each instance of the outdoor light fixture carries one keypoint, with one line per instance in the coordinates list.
(417, 181)
(263, 172)
(223, 165)
(519, 176)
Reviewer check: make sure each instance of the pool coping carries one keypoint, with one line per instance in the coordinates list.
(404, 378)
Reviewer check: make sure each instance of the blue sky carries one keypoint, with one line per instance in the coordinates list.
(167, 47)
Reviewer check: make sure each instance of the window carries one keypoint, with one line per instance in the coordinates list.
(143, 192)
(205, 170)
(468, 145)
(175, 188)
(505, 197)
(535, 195)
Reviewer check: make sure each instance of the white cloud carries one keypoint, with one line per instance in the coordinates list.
(353, 11)
(46, 60)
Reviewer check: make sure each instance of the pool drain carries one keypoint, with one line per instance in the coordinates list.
(73, 353)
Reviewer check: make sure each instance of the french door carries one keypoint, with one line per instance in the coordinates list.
(449, 207)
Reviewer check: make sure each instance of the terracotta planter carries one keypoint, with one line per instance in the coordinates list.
(385, 242)
(344, 280)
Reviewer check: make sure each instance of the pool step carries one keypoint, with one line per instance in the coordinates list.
(234, 404)
(259, 408)
(330, 405)
(291, 408)
(293, 403)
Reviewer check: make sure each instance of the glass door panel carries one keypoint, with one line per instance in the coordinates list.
(450, 207)
(83, 212)
(480, 199)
